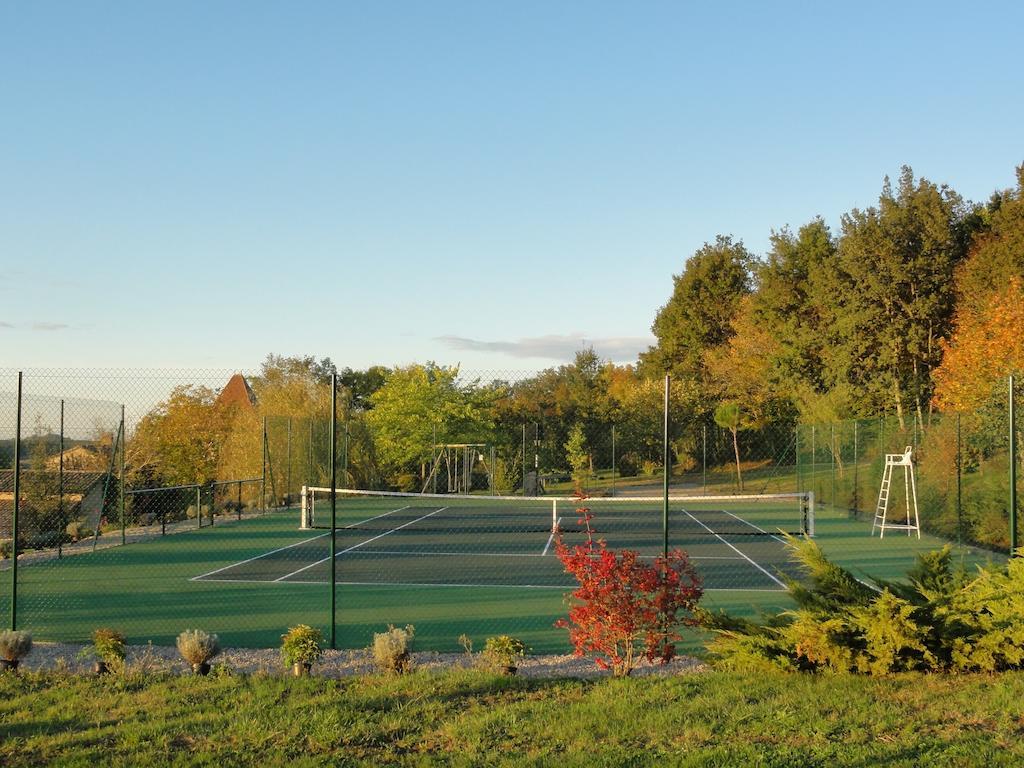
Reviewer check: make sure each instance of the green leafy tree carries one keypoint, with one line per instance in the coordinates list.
(698, 315)
(421, 404)
(889, 297)
(179, 441)
(578, 455)
(996, 252)
(787, 305)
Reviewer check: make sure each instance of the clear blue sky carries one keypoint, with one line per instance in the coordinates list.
(198, 184)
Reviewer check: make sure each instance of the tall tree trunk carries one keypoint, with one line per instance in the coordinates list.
(736, 451)
(899, 403)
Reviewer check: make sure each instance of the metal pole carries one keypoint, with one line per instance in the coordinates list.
(199, 506)
(667, 465)
(959, 488)
(14, 513)
(334, 503)
(832, 451)
(309, 473)
(288, 465)
(614, 468)
(120, 485)
(1013, 473)
(238, 504)
(704, 458)
(856, 471)
(344, 465)
(60, 487)
(796, 457)
(263, 484)
(524, 459)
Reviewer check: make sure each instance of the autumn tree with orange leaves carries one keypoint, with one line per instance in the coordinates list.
(986, 346)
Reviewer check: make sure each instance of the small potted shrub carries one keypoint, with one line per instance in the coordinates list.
(197, 648)
(14, 646)
(503, 653)
(301, 647)
(108, 650)
(392, 649)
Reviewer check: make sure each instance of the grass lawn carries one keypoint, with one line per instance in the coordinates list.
(473, 718)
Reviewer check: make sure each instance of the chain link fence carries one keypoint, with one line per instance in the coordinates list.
(152, 501)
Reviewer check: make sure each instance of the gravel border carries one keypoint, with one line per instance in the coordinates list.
(335, 664)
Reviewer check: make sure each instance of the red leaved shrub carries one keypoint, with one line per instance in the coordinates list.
(625, 608)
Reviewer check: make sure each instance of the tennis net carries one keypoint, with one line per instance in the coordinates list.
(412, 513)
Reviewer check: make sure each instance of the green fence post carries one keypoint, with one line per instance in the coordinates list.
(704, 458)
(667, 461)
(856, 469)
(60, 487)
(14, 512)
(199, 506)
(1013, 473)
(288, 466)
(334, 504)
(263, 483)
(959, 487)
(614, 468)
(832, 452)
(120, 484)
(796, 457)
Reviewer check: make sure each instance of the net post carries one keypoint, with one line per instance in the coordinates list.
(60, 487)
(334, 504)
(16, 509)
(667, 467)
(809, 521)
(554, 515)
(1012, 414)
(288, 465)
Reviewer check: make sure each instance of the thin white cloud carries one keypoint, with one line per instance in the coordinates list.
(555, 346)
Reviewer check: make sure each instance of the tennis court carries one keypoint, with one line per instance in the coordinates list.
(478, 541)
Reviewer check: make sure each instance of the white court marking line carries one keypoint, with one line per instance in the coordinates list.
(734, 549)
(297, 543)
(755, 527)
(472, 586)
(362, 543)
(551, 537)
(257, 557)
(420, 553)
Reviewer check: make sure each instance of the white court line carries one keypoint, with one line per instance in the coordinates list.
(434, 585)
(762, 570)
(551, 537)
(420, 553)
(362, 543)
(755, 527)
(281, 549)
(249, 560)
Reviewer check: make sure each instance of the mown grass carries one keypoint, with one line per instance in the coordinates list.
(473, 718)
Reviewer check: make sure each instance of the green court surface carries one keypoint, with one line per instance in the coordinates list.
(474, 569)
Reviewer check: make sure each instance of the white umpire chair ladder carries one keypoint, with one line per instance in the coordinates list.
(912, 522)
